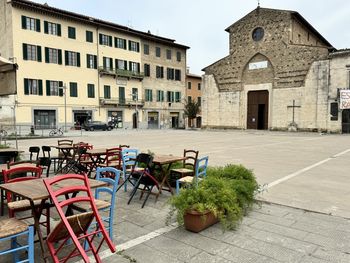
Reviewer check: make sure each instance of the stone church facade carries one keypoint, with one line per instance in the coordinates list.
(280, 74)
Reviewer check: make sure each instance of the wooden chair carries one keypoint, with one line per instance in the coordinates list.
(12, 228)
(14, 205)
(34, 153)
(75, 227)
(113, 158)
(104, 175)
(46, 150)
(65, 142)
(200, 172)
(128, 161)
(188, 165)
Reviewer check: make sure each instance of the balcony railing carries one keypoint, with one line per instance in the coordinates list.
(121, 73)
(121, 102)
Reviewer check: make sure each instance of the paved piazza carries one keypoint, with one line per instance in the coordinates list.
(305, 177)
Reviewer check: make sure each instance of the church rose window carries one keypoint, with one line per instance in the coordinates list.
(258, 34)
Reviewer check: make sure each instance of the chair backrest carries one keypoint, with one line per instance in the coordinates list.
(123, 146)
(22, 163)
(46, 151)
(191, 159)
(111, 176)
(144, 161)
(128, 158)
(84, 145)
(76, 225)
(34, 153)
(65, 142)
(113, 157)
(201, 167)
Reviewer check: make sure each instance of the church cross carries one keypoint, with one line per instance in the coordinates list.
(293, 106)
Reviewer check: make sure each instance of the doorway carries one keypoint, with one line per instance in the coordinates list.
(257, 110)
(135, 121)
(345, 121)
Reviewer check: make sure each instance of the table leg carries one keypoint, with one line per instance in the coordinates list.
(164, 175)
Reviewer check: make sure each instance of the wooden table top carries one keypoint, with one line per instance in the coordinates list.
(166, 159)
(97, 151)
(36, 190)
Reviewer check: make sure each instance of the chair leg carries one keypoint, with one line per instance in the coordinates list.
(31, 244)
(177, 186)
(2, 193)
(134, 191)
(13, 246)
(148, 194)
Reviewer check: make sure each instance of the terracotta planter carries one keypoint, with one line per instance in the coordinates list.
(196, 222)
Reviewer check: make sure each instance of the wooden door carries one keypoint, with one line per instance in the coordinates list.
(258, 110)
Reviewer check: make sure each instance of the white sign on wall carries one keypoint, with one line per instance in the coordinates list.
(344, 99)
(258, 65)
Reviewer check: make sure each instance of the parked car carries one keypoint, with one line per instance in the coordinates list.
(97, 125)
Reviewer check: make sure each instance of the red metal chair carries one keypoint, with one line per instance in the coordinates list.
(18, 174)
(75, 227)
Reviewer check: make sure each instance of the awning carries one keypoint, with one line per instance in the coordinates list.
(7, 77)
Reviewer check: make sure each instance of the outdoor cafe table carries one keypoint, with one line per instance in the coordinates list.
(96, 156)
(8, 154)
(35, 190)
(164, 163)
(67, 152)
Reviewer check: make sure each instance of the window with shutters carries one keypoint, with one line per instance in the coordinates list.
(146, 49)
(178, 56)
(160, 95)
(53, 55)
(121, 95)
(72, 58)
(148, 95)
(199, 99)
(91, 90)
(189, 85)
(134, 66)
(31, 51)
(122, 64)
(199, 86)
(31, 23)
(170, 73)
(177, 96)
(170, 96)
(120, 43)
(135, 94)
(134, 46)
(178, 74)
(168, 54)
(53, 88)
(71, 32)
(107, 91)
(107, 63)
(89, 36)
(147, 70)
(73, 89)
(33, 87)
(159, 72)
(91, 61)
(105, 40)
(158, 54)
(52, 28)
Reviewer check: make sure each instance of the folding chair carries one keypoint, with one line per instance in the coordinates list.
(104, 175)
(128, 161)
(142, 174)
(75, 227)
(19, 174)
(12, 228)
(200, 172)
(188, 166)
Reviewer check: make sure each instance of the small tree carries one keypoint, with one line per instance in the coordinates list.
(191, 110)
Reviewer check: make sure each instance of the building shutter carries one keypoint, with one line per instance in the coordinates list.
(66, 61)
(38, 50)
(115, 42)
(138, 67)
(110, 41)
(88, 60)
(40, 87)
(125, 65)
(138, 47)
(47, 60)
(100, 39)
(104, 62)
(46, 27)
(58, 29)
(25, 52)
(124, 40)
(95, 62)
(78, 59)
(24, 22)
(129, 45)
(111, 62)
(60, 88)
(48, 93)
(37, 21)
(26, 87)
(59, 56)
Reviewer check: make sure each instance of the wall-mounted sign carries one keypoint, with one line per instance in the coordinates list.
(257, 65)
(344, 99)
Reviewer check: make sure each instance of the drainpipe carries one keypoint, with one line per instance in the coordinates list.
(98, 74)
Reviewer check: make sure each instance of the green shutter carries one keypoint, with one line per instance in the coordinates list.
(24, 22)
(138, 47)
(111, 62)
(129, 45)
(125, 65)
(25, 52)
(48, 93)
(60, 88)
(47, 55)
(87, 61)
(138, 67)
(40, 87)
(46, 27)
(110, 41)
(26, 87)
(37, 21)
(104, 62)
(38, 50)
(58, 29)
(78, 59)
(100, 38)
(95, 62)
(115, 42)
(66, 57)
(59, 55)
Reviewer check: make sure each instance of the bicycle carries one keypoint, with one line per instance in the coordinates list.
(56, 132)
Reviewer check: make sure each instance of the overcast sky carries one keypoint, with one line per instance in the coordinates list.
(200, 24)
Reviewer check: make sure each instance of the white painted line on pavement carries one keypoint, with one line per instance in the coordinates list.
(283, 179)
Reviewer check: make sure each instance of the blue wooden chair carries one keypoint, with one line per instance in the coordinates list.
(111, 176)
(128, 161)
(12, 228)
(200, 172)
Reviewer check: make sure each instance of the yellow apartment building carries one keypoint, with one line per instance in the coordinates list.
(74, 68)
(194, 93)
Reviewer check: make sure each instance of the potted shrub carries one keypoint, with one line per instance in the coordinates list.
(225, 195)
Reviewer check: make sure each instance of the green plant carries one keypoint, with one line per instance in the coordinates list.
(191, 110)
(211, 194)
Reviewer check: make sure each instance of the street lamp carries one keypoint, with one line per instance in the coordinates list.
(64, 90)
